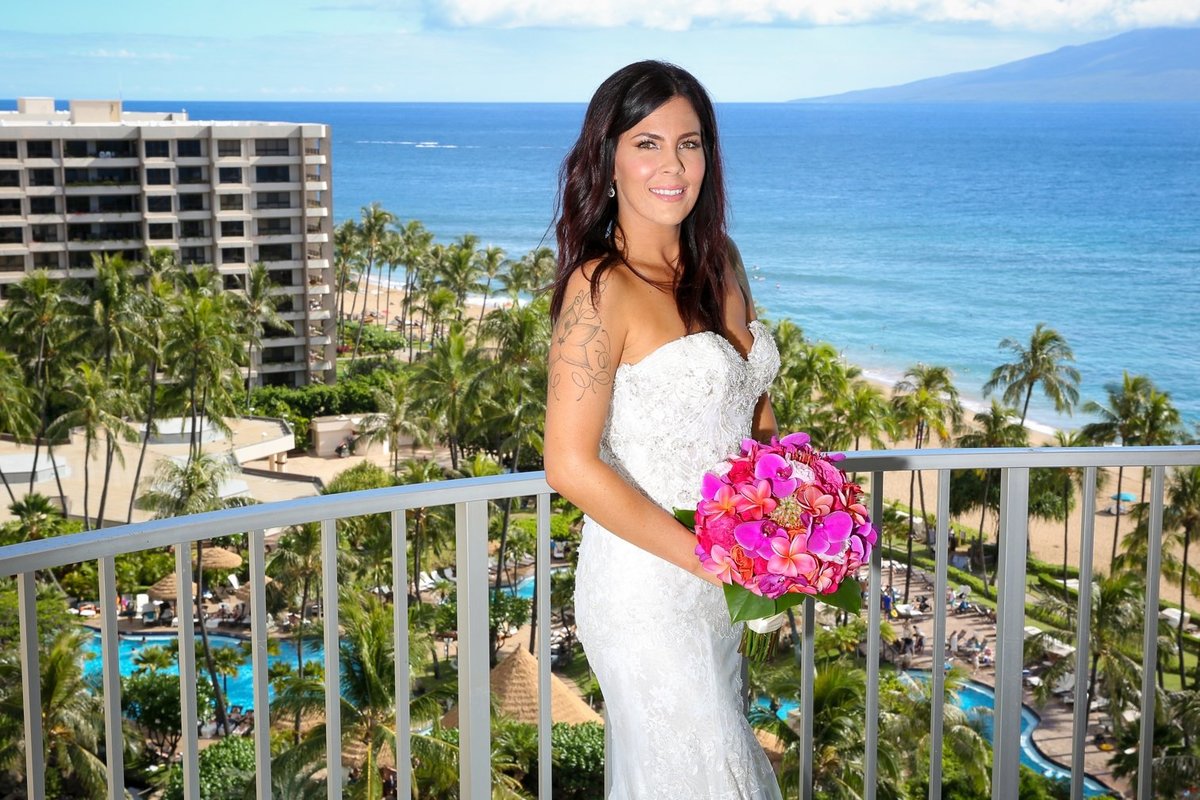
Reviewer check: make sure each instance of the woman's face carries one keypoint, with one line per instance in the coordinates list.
(659, 167)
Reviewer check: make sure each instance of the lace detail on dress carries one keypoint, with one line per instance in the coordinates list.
(659, 638)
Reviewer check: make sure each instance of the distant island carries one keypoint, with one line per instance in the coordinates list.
(1150, 65)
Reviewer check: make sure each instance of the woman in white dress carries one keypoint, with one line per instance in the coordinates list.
(657, 371)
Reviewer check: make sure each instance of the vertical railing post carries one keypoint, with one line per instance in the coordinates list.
(400, 636)
(937, 677)
(1145, 782)
(1083, 634)
(874, 583)
(189, 716)
(543, 646)
(31, 687)
(333, 675)
(807, 674)
(474, 690)
(110, 665)
(259, 664)
(1010, 640)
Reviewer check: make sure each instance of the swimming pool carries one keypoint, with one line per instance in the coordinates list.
(975, 695)
(240, 692)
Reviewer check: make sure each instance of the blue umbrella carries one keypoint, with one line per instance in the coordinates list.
(1124, 497)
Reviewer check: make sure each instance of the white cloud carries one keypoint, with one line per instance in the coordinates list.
(685, 14)
(123, 54)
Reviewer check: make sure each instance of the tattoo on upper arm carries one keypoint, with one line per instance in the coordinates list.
(582, 355)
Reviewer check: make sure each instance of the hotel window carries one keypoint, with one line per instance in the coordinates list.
(233, 228)
(10, 177)
(192, 229)
(189, 148)
(281, 174)
(229, 175)
(193, 255)
(41, 177)
(43, 205)
(76, 149)
(274, 227)
(46, 261)
(10, 207)
(8, 149)
(191, 175)
(12, 235)
(231, 202)
(157, 149)
(272, 147)
(158, 204)
(233, 255)
(44, 233)
(39, 149)
(275, 252)
(158, 177)
(191, 202)
(272, 200)
(229, 148)
(162, 230)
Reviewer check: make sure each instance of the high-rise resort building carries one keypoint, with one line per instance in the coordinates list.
(96, 179)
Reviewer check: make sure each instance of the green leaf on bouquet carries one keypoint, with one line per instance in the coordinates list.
(687, 517)
(848, 597)
(744, 604)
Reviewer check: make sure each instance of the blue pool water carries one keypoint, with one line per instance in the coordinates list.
(240, 691)
(978, 696)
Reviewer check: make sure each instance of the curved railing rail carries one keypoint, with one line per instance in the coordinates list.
(470, 499)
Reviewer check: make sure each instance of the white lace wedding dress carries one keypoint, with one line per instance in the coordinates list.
(658, 638)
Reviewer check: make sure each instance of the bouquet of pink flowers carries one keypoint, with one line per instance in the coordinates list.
(776, 523)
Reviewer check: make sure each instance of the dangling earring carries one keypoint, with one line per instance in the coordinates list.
(612, 190)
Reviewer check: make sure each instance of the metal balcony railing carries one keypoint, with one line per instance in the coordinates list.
(470, 499)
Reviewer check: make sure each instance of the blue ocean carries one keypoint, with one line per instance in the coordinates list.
(899, 233)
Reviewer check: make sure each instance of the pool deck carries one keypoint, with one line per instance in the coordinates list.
(1053, 733)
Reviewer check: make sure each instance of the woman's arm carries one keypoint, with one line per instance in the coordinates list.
(764, 425)
(585, 350)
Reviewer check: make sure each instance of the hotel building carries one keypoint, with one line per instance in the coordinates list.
(96, 179)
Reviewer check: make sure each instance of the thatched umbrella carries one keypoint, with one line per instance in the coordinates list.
(515, 694)
(772, 745)
(213, 557)
(168, 588)
(243, 591)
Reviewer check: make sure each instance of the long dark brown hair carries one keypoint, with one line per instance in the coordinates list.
(587, 218)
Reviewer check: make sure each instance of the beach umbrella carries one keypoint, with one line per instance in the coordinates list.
(1124, 497)
(214, 557)
(168, 588)
(515, 694)
(243, 591)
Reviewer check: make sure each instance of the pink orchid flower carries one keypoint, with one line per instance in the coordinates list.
(828, 536)
(776, 469)
(755, 537)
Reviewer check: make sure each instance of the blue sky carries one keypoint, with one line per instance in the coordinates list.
(527, 50)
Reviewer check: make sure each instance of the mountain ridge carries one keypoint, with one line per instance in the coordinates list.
(1147, 65)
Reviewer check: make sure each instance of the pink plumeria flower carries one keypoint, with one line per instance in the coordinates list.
(814, 501)
(724, 501)
(720, 564)
(790, 556)
(759, 502)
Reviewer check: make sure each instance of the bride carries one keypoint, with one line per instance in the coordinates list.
(657, 371)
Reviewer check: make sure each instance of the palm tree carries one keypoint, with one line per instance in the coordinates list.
(1046, 362)
(1182, 512)
(36, 304)
(1160, 425)
(924, 402)
(428, 525)
(459, 269)
(17, 416)
(995, 427)
(529, 274)
(258, 307)
(1070, 480)
(152, 659)
(789, 338)
(490, 265)
(193, 487)
(150, 308)
(371, 232)
(296, 566)
(95, 404)
(72, 717)
(446, 381)
(345, 265)
(1120, 420)
(394, 417)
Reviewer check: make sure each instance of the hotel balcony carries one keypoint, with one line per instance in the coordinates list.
(470, 498)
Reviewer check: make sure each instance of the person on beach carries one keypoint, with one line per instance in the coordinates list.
(658, 370)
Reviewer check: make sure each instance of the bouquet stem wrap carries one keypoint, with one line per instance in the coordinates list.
(760, 637)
